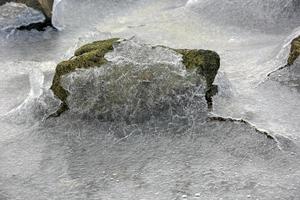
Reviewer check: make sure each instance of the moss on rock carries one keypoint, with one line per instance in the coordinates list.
(205, 62)
(90, 55)
(295, 51)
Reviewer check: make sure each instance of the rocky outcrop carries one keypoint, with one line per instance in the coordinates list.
(295, 51)
(202, 62)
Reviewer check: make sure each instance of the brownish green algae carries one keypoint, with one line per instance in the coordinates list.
(295, 50)
(87, 56)
(205, 62)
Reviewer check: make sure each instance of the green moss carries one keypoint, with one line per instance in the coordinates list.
(205, 62)
(90, 55)
(295, 51)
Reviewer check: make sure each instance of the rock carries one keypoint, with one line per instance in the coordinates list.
(16, 15)
(116, 54)
(289, 74)
(292, 57)
(45, 6)
(207, 64)
(86, 56)
(295, 51)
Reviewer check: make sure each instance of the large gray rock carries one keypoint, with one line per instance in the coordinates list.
(118, 78)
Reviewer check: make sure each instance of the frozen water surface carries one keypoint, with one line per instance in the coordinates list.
(15, 15)
(188, 154)
(133, 87)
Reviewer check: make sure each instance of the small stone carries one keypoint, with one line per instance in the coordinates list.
(184, 196)
(248, 196)
(197, 195)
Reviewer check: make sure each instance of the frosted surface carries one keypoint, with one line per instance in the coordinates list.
(14, 15)
(139, 82)
(289, 76)
(255, 14)
(182, 154)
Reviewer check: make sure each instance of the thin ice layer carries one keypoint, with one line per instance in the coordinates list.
(288, 76)
(254, 14)
(14, 15)
(135, 85)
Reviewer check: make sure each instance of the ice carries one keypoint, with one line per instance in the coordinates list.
(139, 82)
(65, 18)
(36, 82)
(142, 54)
(15, 15)
(87, 160)
(80, 156)
(38, 105)
(252, 14)
(281, 54)
(288, 76)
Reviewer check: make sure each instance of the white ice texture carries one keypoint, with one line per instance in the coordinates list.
(253, 14)
(15, 15)
(138, 82)
(70, 157)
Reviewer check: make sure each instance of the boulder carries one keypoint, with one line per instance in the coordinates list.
(16, 15)
(119, 56)
(44, 6)
(295, 51)
(289, 74)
